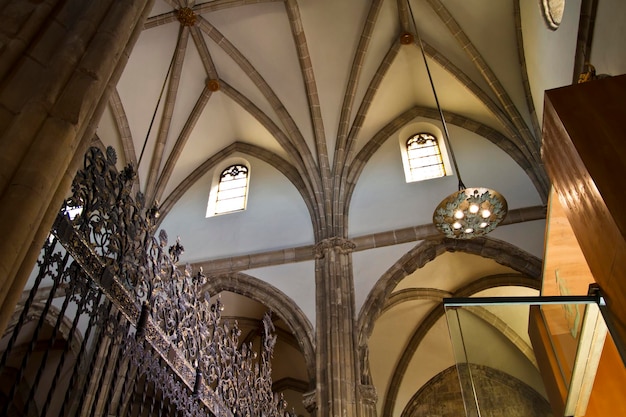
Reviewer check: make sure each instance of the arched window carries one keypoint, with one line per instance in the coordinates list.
(424, 157)
(231, 192)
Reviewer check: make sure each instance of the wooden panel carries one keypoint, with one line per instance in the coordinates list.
(565, 272)
(607, 397)
(584, 151)
(565, 269)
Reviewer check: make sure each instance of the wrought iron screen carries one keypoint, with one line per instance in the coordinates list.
(113, 326)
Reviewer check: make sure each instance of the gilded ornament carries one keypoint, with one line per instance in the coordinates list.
(186, 16)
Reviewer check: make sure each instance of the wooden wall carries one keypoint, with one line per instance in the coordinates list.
(584, 151)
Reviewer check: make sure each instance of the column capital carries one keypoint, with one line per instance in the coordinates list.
(368, 394)
(309, 400)
(344, 246)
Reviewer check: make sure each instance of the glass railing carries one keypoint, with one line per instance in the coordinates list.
(483, 330)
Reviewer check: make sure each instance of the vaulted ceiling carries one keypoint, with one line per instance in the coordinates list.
(316, 96)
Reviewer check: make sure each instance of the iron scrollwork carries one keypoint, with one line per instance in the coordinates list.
(181, 343)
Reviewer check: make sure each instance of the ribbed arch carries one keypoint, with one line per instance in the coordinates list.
(269, 157)
(381, 297)
(293, 133)
(385, 133)
(524, 72)
(351, 88)
(302, 164)
(289, 136)
(416, 338)
(494, 83)
(123, 128)
(177, 150)
(168, 110)
(278, 303)
(34, 314)
(502, 252)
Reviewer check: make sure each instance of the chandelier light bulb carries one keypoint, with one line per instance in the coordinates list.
(459, 214)
(473, 208)
(486, 213)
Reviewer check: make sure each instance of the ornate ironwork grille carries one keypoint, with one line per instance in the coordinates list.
(112, 325)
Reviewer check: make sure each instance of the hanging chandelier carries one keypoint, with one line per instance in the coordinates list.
(471, 211)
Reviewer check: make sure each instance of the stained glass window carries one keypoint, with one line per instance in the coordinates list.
(232, 189)
(424, 155)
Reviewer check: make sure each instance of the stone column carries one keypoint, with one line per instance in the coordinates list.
(367, 400)
(368, 396)
(337, 371)
(309, 400)
(57, 60)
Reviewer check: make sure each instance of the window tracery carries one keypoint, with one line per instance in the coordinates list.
(232, 189)
(424, 157)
